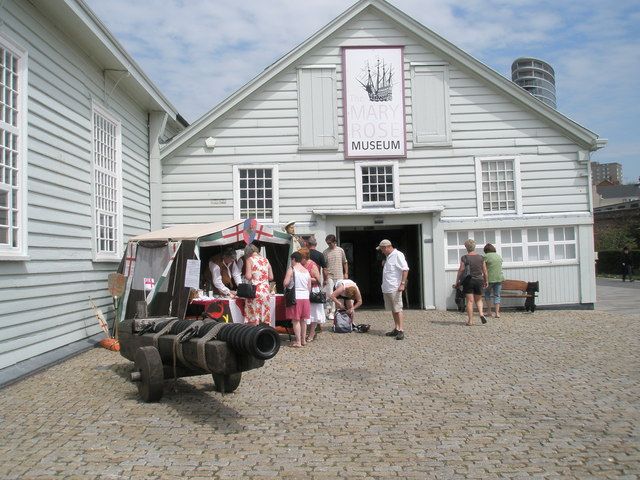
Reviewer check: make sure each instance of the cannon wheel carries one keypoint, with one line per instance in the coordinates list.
(149, 365)
(226, 383)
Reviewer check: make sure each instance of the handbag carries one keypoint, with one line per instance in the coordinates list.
(246, 290)
(317, 296)
(290, 293)
(466, 274)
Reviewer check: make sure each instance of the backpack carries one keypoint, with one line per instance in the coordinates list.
(342, 322)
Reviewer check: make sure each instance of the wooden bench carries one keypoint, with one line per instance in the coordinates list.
(521, 289)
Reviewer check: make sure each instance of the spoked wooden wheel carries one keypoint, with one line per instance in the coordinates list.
(150, 373)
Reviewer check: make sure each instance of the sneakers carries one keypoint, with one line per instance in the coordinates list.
(392, 333)
(483, 319)
(400, 336)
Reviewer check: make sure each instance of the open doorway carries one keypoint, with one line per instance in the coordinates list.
(365, 262)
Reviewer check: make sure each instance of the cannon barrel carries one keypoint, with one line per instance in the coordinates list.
(261, 341)
(238, 347)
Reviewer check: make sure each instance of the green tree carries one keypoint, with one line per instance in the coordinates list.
(616, 238)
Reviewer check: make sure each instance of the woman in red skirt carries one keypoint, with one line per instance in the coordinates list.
(300, 312)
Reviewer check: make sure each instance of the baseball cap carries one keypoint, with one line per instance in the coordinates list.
(384, 243)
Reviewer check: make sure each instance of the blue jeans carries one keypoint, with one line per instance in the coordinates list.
(494, 289)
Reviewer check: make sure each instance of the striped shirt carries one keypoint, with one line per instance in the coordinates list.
(335, 259)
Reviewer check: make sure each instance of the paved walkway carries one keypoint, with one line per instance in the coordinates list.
(544, 395)
(614, 295)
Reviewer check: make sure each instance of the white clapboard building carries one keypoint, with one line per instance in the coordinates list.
(376, 127)
(80, 126)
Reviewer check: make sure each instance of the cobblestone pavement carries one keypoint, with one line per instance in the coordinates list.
(544, 395)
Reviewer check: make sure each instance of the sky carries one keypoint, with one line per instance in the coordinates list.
(198, 52)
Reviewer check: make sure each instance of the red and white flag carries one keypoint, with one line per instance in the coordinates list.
(149, 283)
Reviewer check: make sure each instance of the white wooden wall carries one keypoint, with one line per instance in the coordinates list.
(263, 129)
(44, 301)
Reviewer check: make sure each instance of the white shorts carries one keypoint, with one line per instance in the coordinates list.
(393, 301)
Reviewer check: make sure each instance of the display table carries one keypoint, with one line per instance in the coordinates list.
(232, 309)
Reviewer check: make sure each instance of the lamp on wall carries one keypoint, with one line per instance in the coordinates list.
(210, 142)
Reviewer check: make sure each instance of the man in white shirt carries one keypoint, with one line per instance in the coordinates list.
(225, 272)
(394, 280)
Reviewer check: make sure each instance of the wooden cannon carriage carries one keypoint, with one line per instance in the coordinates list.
(161, 342)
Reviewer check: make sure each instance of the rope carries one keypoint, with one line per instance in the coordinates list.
(200, 344)
(164, 330)
(179, 339)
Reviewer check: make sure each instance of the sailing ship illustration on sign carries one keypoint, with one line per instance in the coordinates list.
(379, 83)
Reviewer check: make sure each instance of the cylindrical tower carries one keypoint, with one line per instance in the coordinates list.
(537, 77)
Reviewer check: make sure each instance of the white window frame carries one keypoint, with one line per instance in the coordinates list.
(19, 252)
(497, 233)
(334, 112)
(530, 242)
(360, 204)
(99, 256)
(422, 68)
(516, 184)
(274, 189)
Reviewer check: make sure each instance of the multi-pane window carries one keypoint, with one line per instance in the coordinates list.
(517, 245)
(455, 243)
(377, 184)
(564, 239)
(106, 186)
(498, 186)
(256, 187)
(511, 246)
(11, 163)
(538, 243)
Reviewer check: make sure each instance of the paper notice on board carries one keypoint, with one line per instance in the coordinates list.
(192, 274)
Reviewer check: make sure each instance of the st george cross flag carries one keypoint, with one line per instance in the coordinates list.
(149, 283)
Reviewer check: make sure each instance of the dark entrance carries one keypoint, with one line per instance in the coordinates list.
(365, 262)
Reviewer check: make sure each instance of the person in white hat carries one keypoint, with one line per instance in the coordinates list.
(394, 280)
(295, 239)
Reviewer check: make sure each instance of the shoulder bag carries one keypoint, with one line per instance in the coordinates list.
(290, 293)
(317, 296)
(246, 290)
(466, 274)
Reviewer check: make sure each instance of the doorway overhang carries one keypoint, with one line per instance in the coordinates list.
(378, 211)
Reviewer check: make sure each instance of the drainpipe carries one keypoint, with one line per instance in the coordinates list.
(157, 124)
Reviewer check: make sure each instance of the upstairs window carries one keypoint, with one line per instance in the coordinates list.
(498, 185)
(430, 115)
(377, 184)
(13, 110)
(255, 193)
(107, 187)
(317, 105)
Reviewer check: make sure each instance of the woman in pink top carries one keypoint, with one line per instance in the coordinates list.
(258, 272)
(298, 313)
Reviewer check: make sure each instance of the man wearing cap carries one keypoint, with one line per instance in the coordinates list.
(295, 240)
(394, 280)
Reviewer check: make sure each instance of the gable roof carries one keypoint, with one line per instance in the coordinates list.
(77, 20)
(573, 130)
